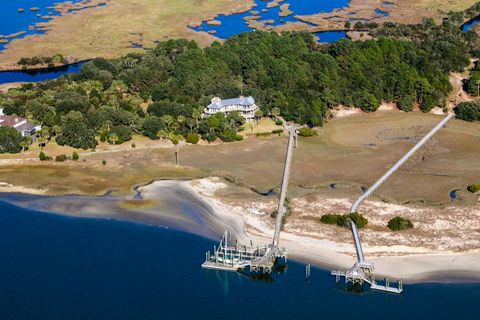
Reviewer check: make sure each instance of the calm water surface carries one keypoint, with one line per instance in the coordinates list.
(12, 21)
(56, 267)
(38, 75)
(235, 23)
(466, 27)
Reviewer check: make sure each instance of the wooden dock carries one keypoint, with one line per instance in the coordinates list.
(261, 259)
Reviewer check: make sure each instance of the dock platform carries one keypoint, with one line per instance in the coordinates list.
(260, 259)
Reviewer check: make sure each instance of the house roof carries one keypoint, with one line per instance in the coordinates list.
(243, 101)
(26, 127)
(10, 121)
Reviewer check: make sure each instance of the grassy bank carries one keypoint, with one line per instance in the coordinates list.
(352, 152)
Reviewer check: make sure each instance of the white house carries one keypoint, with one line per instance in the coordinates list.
(244, 105)
(25, 128)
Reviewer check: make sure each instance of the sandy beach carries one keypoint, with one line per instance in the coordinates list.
(197, 206)
(407, 262)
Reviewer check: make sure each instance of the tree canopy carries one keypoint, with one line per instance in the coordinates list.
(160, 93)
(10, 140)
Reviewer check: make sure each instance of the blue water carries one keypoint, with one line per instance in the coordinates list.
(466, 27)
(331, 36)
(381, 12)
(38, 75)
(55, 267)
(235, 23)
(12, 21)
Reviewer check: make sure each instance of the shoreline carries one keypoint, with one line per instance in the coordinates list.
(445, 267)
(46, 44)
(40, 69)
(412, 268)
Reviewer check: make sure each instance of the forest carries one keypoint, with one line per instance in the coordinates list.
(161, 93)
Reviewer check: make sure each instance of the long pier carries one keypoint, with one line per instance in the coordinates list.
(260, 259)
(362, 270)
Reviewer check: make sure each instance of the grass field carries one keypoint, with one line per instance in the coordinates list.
(351, 152)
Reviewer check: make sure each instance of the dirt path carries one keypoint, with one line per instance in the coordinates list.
(458, 94)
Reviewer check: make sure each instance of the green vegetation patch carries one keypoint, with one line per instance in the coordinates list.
(343, 220)
(10, 140)
(399, 223)
(474, 188)
(286, 215)
(468, 111)
(50, 61)
(307, 132)
(161, 93)
(263, 134)
(61, 158)
(193, 138)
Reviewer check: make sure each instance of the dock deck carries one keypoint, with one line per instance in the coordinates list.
(259, 259)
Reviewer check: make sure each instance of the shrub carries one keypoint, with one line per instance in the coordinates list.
(263, 134)
(287, 213)
(474, 187)
(343, 220)
(368, 102)
(75, 156)
(468, 111)
(61, 158)
(228, 135)
(151, 125)
(133, 145)
(122, 134)
(104, 162)
(277, 131)
(359, 220)
(399, 223)
(175, 138)
(307, 132)
(42, 156)
(473, 83)
(279, 122)
(193, 138)
(329, 218)
(405, 103)
(10, 140)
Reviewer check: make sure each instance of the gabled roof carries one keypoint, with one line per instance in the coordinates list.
(26, 127)
(243, 101)
(10, 121)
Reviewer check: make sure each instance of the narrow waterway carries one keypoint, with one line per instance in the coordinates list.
(38, 75)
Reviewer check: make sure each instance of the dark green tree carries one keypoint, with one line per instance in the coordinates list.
(10, 140)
